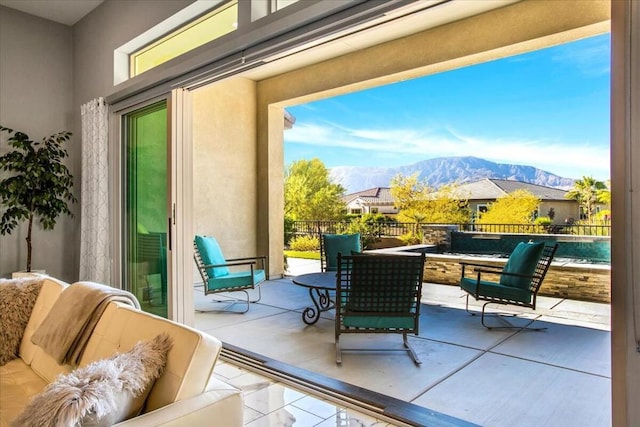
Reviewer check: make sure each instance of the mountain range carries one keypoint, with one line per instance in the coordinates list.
(445, 170)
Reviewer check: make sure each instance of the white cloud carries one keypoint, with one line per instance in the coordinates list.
(563, 159)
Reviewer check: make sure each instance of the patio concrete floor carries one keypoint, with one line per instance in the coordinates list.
(557, 377)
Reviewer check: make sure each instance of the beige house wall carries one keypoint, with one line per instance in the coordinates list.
(367, 208)
(514, 29)
(224, 165)
(563, 209)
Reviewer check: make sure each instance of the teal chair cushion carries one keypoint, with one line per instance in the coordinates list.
(240, 279)
(495, 290)
(339, 243)
(379, 322)
(211, 254)
(523, 260)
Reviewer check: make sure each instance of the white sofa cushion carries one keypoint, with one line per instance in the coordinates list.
(18, 383)
(190, 362)
(102, 393)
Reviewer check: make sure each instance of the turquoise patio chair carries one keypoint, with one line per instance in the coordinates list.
(519, 280)
(378, 294)
(228, 275)
(333, 244)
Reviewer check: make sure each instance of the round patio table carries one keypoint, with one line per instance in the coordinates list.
(319, 285)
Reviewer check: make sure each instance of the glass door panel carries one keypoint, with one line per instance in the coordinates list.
(146, 207)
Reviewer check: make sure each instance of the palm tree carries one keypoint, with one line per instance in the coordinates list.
(588, 191)
(604, 196)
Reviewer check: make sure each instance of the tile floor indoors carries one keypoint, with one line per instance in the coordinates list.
(557, 377)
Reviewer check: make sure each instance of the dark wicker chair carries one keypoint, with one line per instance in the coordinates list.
(222, 275)
(518, 284)
(378, 294)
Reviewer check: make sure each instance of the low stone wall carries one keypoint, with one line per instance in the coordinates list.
(439, 235)
(584, 282)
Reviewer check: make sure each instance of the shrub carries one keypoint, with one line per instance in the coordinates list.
(543, 220)
(305, 243)
(368, 227)
(603, 217)
(543, 224)
(411, 238)
(289, 230)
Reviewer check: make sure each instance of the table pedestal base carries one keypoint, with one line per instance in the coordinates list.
(321, 301)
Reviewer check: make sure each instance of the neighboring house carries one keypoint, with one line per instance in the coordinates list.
(481, 193)
(374, 200)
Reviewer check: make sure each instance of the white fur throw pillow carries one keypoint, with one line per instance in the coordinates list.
(102, 393)
(17, 297)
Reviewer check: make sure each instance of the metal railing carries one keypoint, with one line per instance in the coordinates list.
(315, 228)
(397, 229)
(571, 229)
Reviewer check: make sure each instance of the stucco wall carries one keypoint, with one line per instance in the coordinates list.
(36, 83)
(47, 70)
(224, 165)
(106, 28)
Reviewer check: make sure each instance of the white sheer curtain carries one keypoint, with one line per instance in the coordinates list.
(94, 228)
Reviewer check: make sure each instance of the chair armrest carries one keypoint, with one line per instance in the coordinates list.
(528, 276)
(486, 268)
(475, 264)
(221, 404)
(240, 261)
(229, 264)
(263, 257)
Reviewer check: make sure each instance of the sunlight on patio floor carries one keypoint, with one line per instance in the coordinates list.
(557, 377)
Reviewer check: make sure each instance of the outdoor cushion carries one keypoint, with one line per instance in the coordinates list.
(211, 255)
(339, 243)
(236, 280)
(495, 290)
(523, 260)
(379, 322)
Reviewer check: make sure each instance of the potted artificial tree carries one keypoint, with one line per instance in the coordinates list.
(35, 184)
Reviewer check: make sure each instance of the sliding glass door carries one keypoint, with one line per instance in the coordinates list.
(145, 223)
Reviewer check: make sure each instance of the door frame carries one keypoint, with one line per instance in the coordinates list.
(179, 250)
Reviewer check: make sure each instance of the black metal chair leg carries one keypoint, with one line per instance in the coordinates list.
(509, 325)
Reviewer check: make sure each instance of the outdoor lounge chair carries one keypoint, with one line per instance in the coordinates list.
(227, 275)
(332, 244)
(519, 280)
(378, 294)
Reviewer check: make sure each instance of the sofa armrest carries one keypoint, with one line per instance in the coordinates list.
(221, 404)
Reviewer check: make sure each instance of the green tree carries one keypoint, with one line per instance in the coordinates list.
(418, 202)
(516, 207)
(588, 192)
(368, 225)
(36, 185)
(446, 207)
(411, 197)
(309, 194)
(604, 195)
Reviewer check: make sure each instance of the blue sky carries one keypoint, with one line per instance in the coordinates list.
(548, 109)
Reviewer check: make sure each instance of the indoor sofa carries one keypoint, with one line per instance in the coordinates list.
(186, 393)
